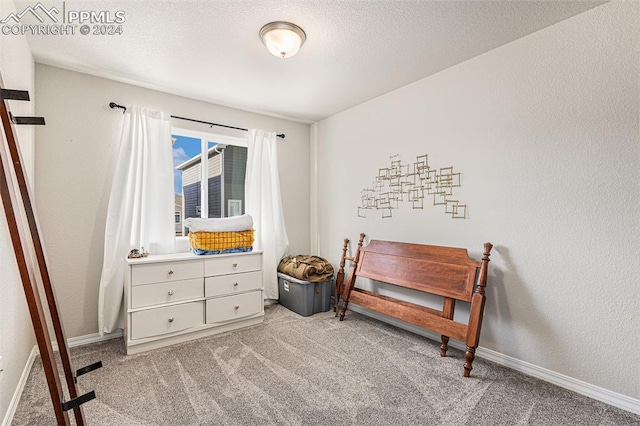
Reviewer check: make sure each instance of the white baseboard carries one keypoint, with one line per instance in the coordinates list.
(609, 397)
(13, 405)
(88, 339)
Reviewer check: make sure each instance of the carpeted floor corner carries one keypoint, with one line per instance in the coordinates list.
(295, 370)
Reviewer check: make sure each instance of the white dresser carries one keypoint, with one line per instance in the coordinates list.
(179, 297)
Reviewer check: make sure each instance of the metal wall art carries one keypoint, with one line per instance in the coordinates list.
(412, 183)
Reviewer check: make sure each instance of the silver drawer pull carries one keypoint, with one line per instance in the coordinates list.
(170, 293)
(170, 319)
(237, 307)
(170, 272)
(235, 284)
(235, 265)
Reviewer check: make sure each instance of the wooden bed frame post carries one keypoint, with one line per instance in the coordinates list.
(11, 204)
(351, 280)
(477, 312)
(448, 308)
(340, 277)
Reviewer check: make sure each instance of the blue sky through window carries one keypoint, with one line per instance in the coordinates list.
(184, 148)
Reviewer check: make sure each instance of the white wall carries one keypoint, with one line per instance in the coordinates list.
(16, 334)
(75, 158)
(545, 133)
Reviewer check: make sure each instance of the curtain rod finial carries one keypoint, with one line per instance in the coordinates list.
(114, 105)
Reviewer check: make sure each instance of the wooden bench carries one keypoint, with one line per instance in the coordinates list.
(442, 271)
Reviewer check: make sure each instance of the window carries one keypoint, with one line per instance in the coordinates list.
(178, 220)
(234, 208)
(202, 190)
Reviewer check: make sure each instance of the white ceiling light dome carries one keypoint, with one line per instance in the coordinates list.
(283, 39)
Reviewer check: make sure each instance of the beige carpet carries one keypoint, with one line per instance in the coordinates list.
(293, 370)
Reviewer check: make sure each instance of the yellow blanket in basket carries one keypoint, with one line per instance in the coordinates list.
(221, 241)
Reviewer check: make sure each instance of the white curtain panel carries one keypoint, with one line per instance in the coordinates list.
(264, 204)
(141, 205)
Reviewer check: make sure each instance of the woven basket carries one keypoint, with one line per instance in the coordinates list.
(221, 241)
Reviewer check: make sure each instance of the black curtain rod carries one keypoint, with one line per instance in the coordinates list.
(113, 105)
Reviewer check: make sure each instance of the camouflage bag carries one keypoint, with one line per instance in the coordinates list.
(307, 268)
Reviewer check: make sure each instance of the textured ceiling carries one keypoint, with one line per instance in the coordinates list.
(355, 50)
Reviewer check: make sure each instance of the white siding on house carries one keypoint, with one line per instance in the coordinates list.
(215, 166)
(192, 173)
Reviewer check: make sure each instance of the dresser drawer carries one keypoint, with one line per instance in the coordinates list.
(233, 283)
(154, 322)
(166, 292)
(233, 307)
(165, 271)
(232, 264)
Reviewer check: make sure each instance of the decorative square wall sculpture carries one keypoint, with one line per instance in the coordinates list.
(412, 183)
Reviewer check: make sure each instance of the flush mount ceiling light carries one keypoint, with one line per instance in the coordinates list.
(283, 39)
